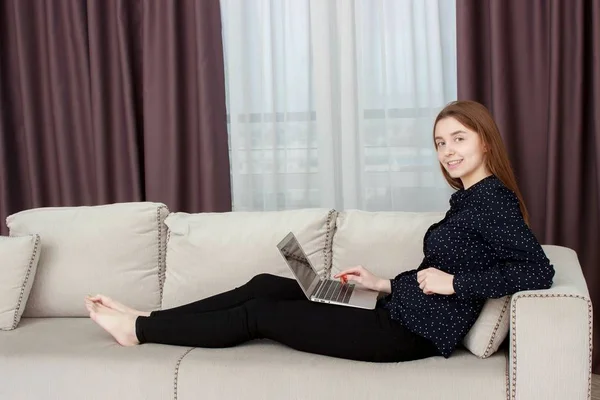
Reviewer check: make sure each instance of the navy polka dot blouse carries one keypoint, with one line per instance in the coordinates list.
(484, 242)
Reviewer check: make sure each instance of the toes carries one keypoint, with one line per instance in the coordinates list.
(98, 298)
(105, 299)
(88, 305)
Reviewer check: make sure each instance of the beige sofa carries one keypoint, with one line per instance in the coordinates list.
(149, 258)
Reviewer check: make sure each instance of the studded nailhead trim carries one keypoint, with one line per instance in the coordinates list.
(491, 341)
(506, 375)
(513, 322)
(327, 247)
(176, 375)
(162, 250)
(25, 280)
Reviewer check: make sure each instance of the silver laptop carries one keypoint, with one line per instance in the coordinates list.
(318, 288)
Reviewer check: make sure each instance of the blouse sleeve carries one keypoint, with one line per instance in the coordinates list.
(394, 283)
(521, 263)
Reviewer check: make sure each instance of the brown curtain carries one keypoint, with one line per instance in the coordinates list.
(112, 101)
(535, 65)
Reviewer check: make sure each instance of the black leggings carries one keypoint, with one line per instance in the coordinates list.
(275, 308)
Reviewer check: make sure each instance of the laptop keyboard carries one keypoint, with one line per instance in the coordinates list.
(332, 290)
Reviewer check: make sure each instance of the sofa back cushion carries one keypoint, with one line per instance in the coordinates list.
(115, 249)
(386, 243)
(19, 257)
(208, 253)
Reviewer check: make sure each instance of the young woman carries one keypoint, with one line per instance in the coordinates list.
(483, 248)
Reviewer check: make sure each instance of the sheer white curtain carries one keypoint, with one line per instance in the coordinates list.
(331, 102)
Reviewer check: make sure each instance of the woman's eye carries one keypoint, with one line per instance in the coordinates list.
(440, 144)
(459, 139)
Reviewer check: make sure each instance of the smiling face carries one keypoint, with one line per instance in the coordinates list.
(461, 151)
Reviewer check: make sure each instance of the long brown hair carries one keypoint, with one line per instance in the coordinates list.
(476, 117)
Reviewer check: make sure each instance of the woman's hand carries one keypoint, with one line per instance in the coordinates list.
(432, 280)
(361, 275)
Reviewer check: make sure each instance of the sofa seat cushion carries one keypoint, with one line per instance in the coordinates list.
(268, 370)
(72, 358)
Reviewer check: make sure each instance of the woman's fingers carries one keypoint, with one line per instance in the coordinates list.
(349, 271)
(346, 272)
(351, 277)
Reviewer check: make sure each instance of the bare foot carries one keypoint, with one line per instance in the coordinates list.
(115, 305)
(120, 325)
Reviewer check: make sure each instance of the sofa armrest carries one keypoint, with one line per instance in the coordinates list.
(551, 335)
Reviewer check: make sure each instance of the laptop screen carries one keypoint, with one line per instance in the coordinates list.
(296, 259)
